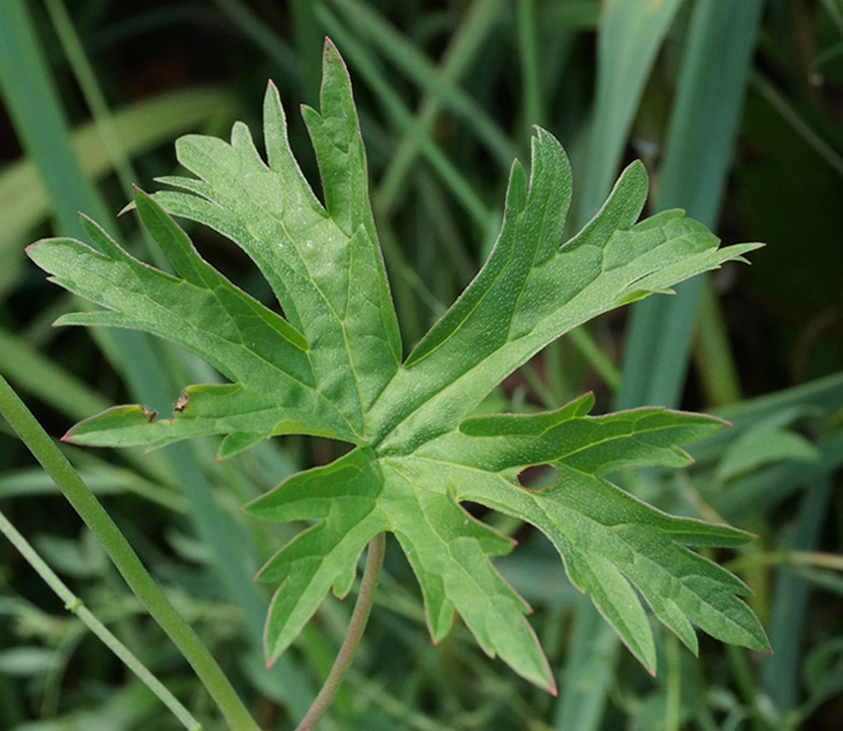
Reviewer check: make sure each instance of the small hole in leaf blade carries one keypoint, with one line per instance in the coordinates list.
(538, 477)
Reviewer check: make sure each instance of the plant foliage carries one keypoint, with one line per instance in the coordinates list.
(332, 366)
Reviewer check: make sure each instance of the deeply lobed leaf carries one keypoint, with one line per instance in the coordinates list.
(332, 366)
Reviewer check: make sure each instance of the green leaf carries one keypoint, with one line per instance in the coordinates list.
(764, 445)
(331, 365)
(606, 537)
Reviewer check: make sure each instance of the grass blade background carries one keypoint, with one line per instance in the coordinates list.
(33, 102)
(697, 156)
(780, 674)
(140, 127)
(31, 99)
(628, 39)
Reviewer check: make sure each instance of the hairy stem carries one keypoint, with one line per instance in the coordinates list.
(125, 559)
(359, 617)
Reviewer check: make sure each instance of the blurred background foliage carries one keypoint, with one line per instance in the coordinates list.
(736, 108)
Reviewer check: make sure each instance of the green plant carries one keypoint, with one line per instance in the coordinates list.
(332, 367)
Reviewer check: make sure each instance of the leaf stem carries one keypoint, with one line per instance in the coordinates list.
(124, 557)
(359, 617)
(75, 605)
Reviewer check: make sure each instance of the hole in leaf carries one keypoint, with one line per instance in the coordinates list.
(475, 510)
(538, 477)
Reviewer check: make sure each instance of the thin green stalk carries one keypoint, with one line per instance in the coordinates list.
(472, 32)
(418, 66)
(125, 559)
(75, 605)
(359, 617)
(595, 357)
(785, 109)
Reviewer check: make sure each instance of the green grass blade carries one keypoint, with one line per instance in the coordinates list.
(418, 67)
(825, 395)
(32, 101)
(716, 366)
(583, 694)
(530, 70)
(251, 25)
(699, 147)
(789, 114)
(629, 37)
(465, 44)
(49, 382)
(94, 98)
(140, 127)
(780, 673)
(308, 40)
(123, 556)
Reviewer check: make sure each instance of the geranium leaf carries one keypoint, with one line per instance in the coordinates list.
(331, 366)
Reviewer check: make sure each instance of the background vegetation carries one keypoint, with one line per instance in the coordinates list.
(735, 108)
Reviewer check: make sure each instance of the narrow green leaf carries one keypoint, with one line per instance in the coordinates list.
(629, 37)
(701, 139)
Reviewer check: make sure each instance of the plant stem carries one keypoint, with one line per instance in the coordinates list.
(125, 559)
(75, 605)
(359, 617)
